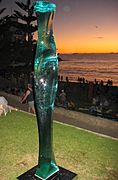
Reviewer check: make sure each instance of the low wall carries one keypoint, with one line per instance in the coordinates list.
(86, 121)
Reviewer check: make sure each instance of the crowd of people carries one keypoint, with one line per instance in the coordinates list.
(96, 97)
(83, 80)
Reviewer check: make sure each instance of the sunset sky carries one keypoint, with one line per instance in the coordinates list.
(83, 25)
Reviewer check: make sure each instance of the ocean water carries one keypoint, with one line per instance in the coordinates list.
(90, 66)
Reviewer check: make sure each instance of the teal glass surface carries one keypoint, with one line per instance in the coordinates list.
(45, 87)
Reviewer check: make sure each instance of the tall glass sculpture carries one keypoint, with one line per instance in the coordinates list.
(45, 87)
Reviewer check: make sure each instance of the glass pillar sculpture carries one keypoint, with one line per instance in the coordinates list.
(45, 86)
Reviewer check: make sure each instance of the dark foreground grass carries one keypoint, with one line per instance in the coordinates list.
(90, 156)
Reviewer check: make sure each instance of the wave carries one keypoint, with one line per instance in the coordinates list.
(100, 66)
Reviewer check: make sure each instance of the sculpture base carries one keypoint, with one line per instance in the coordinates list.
(62, 174)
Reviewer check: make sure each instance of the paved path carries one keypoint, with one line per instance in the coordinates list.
(78, 119)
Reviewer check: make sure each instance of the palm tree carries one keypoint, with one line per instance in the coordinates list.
(27, 17)
(1, 11)
(3, 25)
(4, 46)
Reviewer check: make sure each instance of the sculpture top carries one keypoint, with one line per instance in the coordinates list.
(44, 6)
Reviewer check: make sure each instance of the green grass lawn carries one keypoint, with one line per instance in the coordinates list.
(90, 156)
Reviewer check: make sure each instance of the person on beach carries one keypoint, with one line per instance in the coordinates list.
(59, 59)
(62, 98)
(28, 96)
(71, 105)
(90, 90)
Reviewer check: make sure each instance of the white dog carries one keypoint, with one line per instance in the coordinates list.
(4, 107)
